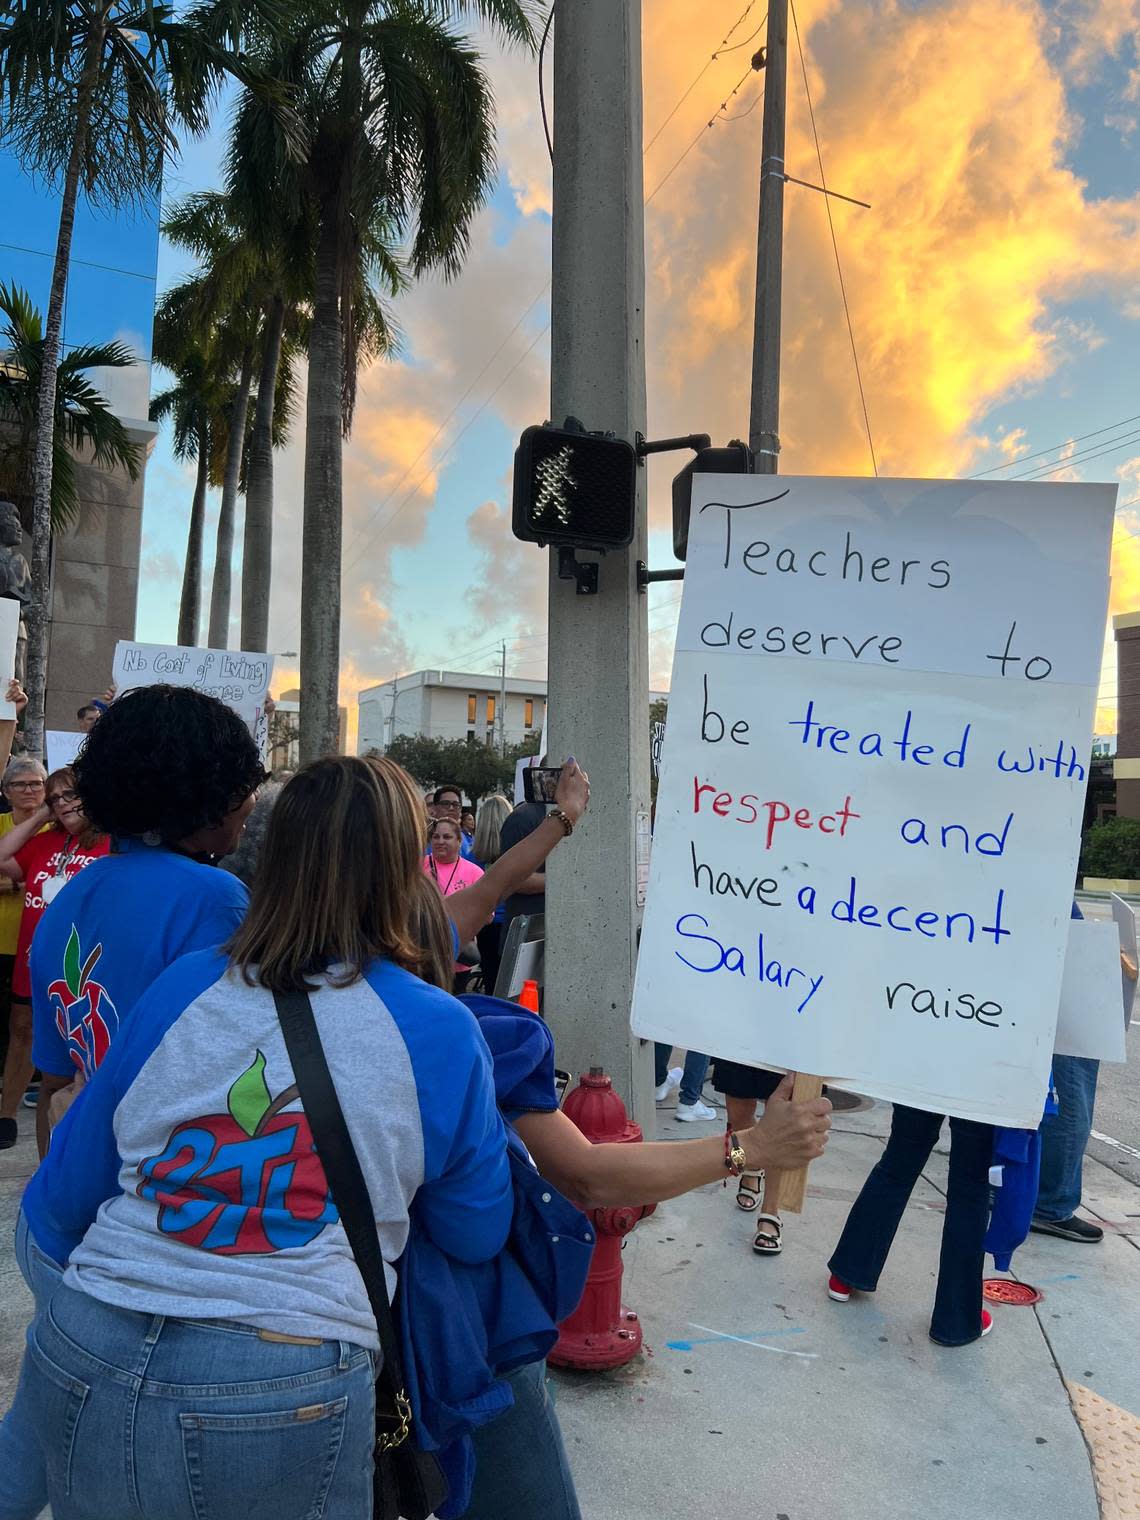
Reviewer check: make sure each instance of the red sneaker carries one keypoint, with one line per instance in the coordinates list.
(987, 1322)
(840, 1291)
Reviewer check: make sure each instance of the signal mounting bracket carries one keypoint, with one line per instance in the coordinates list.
(583, 572)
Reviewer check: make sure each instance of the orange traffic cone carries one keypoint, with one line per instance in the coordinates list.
(528, 997)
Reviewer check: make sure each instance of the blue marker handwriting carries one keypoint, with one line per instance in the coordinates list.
(717, 957)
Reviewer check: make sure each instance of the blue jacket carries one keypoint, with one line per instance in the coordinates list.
(1017, 1157)
(464, 1326)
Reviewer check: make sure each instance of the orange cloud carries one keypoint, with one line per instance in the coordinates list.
(979, 231)
(978, 228)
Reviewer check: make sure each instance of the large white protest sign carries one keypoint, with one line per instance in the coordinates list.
(879, 728)
(1089, 1024)
(238, 679)
(9, 634)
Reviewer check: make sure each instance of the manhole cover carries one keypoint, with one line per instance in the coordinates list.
(999, 1290)
(847, 1102)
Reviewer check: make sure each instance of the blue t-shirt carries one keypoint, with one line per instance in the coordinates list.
(110, 932)
(184, 1180)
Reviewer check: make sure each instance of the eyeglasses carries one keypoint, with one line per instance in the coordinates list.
(449, 807)
(35, 785)
(64, 799)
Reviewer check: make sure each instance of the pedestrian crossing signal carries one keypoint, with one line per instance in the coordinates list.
(574, 488)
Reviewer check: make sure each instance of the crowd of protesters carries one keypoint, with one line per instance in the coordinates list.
(203, 1338)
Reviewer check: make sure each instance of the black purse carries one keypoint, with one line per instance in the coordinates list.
(409, 1483)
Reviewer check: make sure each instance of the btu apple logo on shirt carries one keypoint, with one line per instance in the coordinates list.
(246, 1182)
(85, 1016)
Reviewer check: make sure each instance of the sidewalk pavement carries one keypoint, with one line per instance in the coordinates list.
(757, 1398)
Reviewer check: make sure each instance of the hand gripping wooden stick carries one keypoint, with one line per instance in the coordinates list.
(793, 1185)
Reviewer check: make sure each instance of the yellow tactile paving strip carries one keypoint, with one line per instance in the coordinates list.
(1113, 1436)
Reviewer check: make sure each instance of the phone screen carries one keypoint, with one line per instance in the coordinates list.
(540, 782)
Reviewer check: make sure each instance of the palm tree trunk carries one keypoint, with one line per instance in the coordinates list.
(321, 533)
(192, 574)
(219, 634)
(38, 616)
(257, 555)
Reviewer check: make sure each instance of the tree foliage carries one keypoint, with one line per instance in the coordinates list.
(84, 424)
(478, 768)
(1112, 849)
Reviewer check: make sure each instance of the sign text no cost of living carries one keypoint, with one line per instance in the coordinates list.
(873, 780)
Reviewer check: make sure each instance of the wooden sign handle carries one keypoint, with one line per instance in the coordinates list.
(793, 1185)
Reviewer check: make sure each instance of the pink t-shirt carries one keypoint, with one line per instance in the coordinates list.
(453, 878)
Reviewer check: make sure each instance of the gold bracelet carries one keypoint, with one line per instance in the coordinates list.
(561, 816)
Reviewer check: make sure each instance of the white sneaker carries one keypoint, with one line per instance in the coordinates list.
(672, 1080)
(689, 1112)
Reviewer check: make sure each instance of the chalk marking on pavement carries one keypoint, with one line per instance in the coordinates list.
(1118, 1145)
(751, 1335)
(1045, 1282)
(808, 1356)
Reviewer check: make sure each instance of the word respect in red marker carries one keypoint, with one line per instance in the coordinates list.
(770, 814)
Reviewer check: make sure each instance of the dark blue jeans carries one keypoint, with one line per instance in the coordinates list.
(1064, 1136)
(870, 1229)
(521, 1469)
(693, 1076)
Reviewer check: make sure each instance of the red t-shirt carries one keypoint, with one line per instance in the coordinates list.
(53, 858)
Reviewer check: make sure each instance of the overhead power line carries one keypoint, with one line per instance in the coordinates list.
(835, 243)
(723, 48)
(1053, 448)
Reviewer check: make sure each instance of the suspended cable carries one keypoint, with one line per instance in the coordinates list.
(835, 243)
(542, 82)
(1064, 444)
(661, 183)
(1086, 456)
(708, 65)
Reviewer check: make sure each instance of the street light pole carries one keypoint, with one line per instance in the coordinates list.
(764, 418)
(598, 660)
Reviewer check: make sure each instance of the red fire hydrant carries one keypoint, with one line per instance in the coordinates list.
(600, 1333)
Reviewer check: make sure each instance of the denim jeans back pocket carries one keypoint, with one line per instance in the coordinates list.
(57, 1401)
(264, 1466)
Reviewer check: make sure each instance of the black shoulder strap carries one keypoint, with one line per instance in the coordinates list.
(342, 1170)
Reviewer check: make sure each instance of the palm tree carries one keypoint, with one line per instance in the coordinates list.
(194, 405)
(84, 423)
(90, 89)
(258, 286)
(400, 148)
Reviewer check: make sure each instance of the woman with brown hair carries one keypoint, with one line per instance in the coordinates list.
(52, 844)
(207, 1264)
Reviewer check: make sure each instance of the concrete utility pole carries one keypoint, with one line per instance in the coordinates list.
(764, 419)
(598, 660)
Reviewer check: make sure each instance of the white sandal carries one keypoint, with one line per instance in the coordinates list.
(748, 1198)
(768, 1245)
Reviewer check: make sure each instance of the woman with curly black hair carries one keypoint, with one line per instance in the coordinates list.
(170, 774)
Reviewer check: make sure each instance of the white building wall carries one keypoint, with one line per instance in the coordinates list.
(438, 705)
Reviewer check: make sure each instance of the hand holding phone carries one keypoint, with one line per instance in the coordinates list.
(540, 784)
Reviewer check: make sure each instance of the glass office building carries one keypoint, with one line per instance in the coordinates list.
(110, 296)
